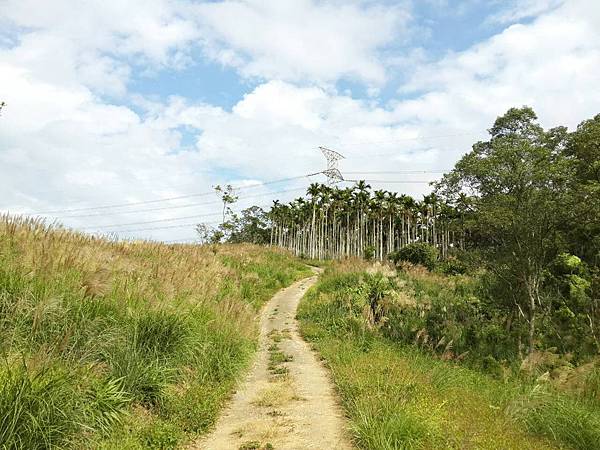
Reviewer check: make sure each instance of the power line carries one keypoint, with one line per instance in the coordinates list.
(395, 172)
(201, 194)
(390, 154)
(416, 138)
(196, 216)
(162, 208)
(101, 227)
(391, 181)
(163, 228)
(177, 241)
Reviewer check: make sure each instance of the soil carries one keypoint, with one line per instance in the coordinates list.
(287, 400)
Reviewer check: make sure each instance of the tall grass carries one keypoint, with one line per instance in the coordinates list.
(399, 396)
(558, 416)
(120, 344)
(38, 407)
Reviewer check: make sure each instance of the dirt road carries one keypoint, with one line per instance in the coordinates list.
(287, 400)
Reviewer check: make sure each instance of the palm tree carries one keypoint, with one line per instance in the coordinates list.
(335, 222)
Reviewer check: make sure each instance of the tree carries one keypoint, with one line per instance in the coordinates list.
(228, 197)
(207, 234)
(251, 227)
(337, 223)
(517, 183)
(584, 226)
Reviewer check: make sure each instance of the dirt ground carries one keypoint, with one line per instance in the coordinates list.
(287, 400)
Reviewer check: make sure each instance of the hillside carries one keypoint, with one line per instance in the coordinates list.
(413, 366)
(123, 344)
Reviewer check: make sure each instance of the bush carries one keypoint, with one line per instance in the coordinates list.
(161, 436)
(369, 252)
(453, 266)
(38, 408)
(160, 333)
(143, 377)
(417, 253)
(558, 417)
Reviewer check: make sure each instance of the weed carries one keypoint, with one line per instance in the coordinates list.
(558, 417)
(591, 389)
(279, 370)
(398, 397)
(277, 357)
(105, 404)
(161, 436)
(103, 327)
(38, 407)
(256, 445)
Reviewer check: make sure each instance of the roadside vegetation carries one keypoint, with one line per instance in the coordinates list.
(123, 345)
(489, 312)
(389, 338)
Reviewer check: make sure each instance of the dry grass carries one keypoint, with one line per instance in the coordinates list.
(276, 394)
(173, 324)
(397, 397)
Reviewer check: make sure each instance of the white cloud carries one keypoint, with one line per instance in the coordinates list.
(62, 145)
(94, 43)
(549, 64)
(516, 10)
(299, 40)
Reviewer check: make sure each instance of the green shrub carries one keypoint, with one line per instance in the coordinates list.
(374, 288)
(161, 436)
(452, 266)
(105, 404)
(142, 377)
(39, 408)
(369, 252)
(417, 253)
(160, 333)
(393, 429)
(566, 420)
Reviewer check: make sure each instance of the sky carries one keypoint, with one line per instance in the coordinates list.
(148, 104)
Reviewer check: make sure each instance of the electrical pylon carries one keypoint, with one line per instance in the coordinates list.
(332, 172)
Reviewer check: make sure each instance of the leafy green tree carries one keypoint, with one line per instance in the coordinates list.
(518, 182)
(417, 253)
(584, 226)
(252, 226)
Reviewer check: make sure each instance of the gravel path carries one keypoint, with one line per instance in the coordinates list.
(287, 400)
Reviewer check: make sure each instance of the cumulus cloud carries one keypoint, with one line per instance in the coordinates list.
(544, 64)
(299, 40)
(95, 43)
(516, 10)
(65, 144)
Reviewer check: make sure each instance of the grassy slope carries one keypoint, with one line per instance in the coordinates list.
(398, 397)
(123, 345)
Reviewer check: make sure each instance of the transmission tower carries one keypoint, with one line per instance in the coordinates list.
(332, 172)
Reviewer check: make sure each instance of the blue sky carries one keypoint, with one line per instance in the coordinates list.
(114, 102)
(440, 27)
